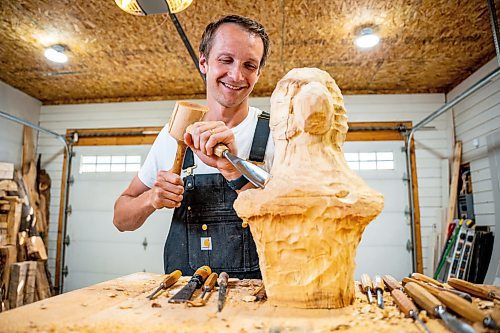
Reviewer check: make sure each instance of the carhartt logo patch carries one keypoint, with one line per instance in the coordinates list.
(206, 243)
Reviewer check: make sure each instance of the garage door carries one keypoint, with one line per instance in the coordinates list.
(98, 252)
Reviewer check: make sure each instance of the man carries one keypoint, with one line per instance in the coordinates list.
(205, 229)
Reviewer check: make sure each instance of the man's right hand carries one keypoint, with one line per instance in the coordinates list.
(167, 190)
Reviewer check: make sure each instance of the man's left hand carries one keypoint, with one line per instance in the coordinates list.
(202, 138)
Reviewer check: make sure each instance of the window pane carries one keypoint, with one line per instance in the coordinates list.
(117, 167)
(87, 168)
(133, 167)
(117, 159)
(368, 165)
(133, 159)
(103, 159)
(385, 156)
(88, 159)
(385, 165)
(351, 156)
(103, 167)
(353, 165)
(367, 157)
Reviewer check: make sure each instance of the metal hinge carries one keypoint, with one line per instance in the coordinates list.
(71, 180)
(145, 243)
(409, 246)
(66, 240)
(65, 271)
(69, 210)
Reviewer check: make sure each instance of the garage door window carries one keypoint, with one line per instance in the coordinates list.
(110, 163)
(370, 160)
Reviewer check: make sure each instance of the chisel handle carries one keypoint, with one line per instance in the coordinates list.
(201, 275)
(219, 149)
(403, 302)
(391, 283)
(378, 283)
(171, 279)
(210, 282)
(425, 278)
(470, 288)
(366, 282)
(461, 306)
(422, 297)
(433, 291)
(223, 278)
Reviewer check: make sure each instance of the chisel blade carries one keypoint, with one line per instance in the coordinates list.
(185, 293)
(453, 323)
(222, 282)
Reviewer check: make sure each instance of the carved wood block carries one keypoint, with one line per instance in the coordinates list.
(308, 221)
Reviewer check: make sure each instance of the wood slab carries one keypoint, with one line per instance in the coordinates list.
(120, 305)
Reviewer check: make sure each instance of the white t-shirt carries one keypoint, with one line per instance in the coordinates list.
(162, 153)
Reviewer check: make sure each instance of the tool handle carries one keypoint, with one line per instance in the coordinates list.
(461, 306)
(223, 278)
(378, 283)
(179, 158)
(171, 279)
(403, 302)
(422, 297)
(425, 278)
(203, 272)
(470, 288)
(219, 149)
(391, 283)
(432, 290)
(210, 282)
(366, 282)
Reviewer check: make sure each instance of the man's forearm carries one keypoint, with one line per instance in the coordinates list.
(131, 212)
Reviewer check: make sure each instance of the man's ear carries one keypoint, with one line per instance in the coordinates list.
(203, 63)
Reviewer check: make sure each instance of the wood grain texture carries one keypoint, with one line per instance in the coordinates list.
(308, 221)
(427, 46)
(120, 305)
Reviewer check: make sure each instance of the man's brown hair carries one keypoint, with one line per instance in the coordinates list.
(246, 23)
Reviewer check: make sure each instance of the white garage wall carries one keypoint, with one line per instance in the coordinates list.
(433, 146)
(475, 118)
(21, 105)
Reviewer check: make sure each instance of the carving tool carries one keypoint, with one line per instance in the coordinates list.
(207, 286)
(196, 282)
(434, 307)
(440, 286)
(366, 283)
(434, 290)
(392, 283)
(167, 282)
(473, 289)
(222, 282)
(379, 289)
(255, 175)
(407, 307)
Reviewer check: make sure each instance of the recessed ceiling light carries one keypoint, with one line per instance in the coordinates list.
(56, 53)
(367, 38)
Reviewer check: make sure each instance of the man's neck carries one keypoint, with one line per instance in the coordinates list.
(232, 117)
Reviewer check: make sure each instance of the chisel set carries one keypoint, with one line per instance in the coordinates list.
(445, 301)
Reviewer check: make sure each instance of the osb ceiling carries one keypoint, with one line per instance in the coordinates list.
(427, 46)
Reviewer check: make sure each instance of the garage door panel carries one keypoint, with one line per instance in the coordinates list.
(388, 229)
(383, 260)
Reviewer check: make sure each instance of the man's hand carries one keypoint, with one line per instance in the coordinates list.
(204, 136)
(167, 190)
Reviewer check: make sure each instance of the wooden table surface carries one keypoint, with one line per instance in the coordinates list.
(120, 305)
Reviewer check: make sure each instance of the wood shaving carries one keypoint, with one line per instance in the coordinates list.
(249, 298)
(126, 306)
(156, 305)
(112, 295)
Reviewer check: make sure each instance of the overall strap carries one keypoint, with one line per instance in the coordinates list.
(259, 144)
(188, 159)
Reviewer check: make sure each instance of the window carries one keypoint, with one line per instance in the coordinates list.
(108, 163)
(370, 160)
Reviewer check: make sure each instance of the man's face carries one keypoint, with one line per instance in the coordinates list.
(232, 68)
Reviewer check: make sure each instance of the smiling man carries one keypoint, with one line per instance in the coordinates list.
(205, 229)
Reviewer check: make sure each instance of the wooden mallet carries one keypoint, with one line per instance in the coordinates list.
(185, 113)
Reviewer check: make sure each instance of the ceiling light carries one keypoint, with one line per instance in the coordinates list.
(367, 38)
(147, 7)
(55, 53)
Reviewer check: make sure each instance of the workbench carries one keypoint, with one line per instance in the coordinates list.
(120, 305)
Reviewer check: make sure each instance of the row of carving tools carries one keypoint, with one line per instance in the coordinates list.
(440, 300)
(203, 278)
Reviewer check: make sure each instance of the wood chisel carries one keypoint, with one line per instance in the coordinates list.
(473, 289)
(424, 279)
(378, 284)
(391, 283)
(167, 282)
(207, 286)
(222, 282)
(434, 307)
(367, 287)
(196, 282)
(407, 307)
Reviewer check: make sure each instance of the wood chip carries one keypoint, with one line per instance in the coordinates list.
(126, 306)
(249, 298)
(155, 305)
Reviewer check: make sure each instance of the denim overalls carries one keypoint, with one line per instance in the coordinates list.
(205, 229)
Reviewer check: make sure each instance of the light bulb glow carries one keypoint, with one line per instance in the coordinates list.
(367, 38)
(55, 54)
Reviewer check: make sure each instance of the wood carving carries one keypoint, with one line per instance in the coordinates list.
(308, 221)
